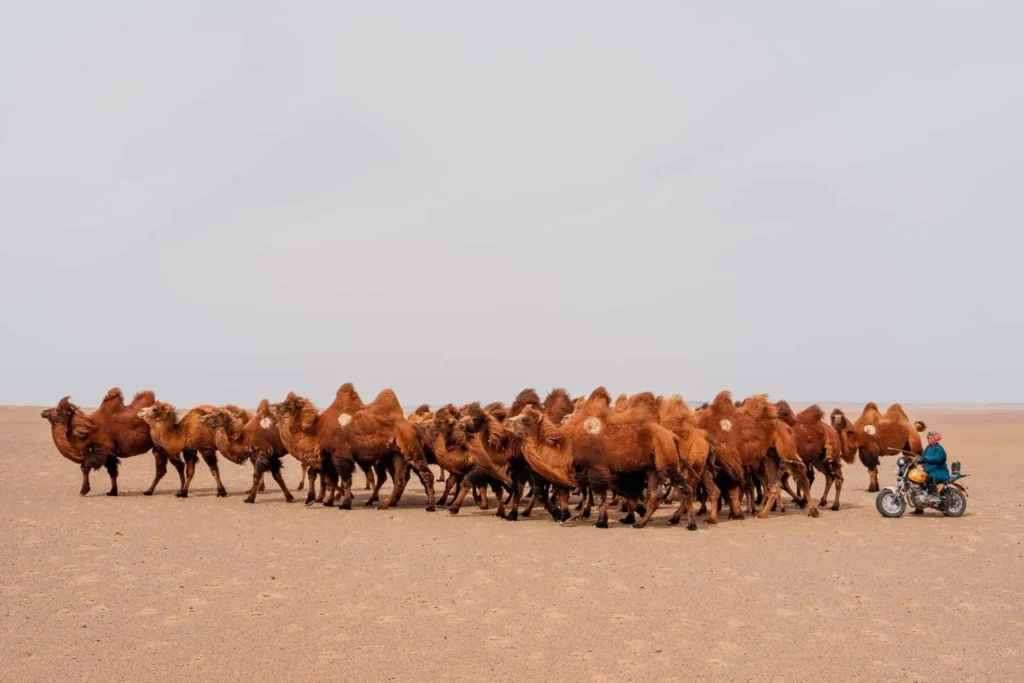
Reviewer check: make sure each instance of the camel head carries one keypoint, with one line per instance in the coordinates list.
(60, 414)
(526, 423)
(473, 418)
(158, 412)
(847, 435)
(447, 424)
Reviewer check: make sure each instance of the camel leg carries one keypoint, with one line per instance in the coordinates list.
(161, 469)
(562, 496)
(210, 458)
(341, 483)
(839, 487)
(311, 495)
(380, 468)
(428, 482)
(191, 459)
(873, 486)
(630, 517)
(602, 512)
(828, 485)
(796, 497)
(302, 477)
(483, 497)
(464, 489)
(517, 492)
(653, 499)
(111, 466)
(500, 495)
(257, 477)
(401, 476)
(799, 474)
(275, 472)
(450, 486)
(370, 479)
(85, 480)
(440, 477)
(323, 488)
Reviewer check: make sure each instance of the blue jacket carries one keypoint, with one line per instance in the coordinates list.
(934, 461)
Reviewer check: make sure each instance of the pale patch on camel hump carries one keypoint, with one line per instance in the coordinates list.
(869, 430)
(344, 419)
(726, 425)
(592, 426)
(265, 423)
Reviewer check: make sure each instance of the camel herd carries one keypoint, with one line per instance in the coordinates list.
(635, 452)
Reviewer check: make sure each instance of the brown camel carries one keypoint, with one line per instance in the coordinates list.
(694, 449)
(751, 442)
(185, 438)
(485, 432)
(378, 432)
(819, 446)
(298, 421)
(881, 434)
(242, 437)
(100, 439)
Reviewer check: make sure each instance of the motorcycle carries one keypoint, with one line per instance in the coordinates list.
(910, 489)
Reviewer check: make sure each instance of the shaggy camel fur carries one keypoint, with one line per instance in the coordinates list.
(881, 434)
(819, 446)
(486, 432)
(346, 400)
(240, 437)
(299, 422)
(751, 442)
(184, 438)
(519, 468)
(620, 449)
(694, 449)
(111, 432)
(422, 416)
(377, 432)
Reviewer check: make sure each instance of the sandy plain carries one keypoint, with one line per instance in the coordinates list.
(205, 588)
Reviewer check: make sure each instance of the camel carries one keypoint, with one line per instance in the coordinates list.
(519, 469)
(184, 438)
(376, 432)
(819, 446)
(881, 434)
(612, 448)
(421, 416)
(242, 437)
(102, 438)
(298, 421)
(485, 432)
(694, 449)
(751, 442)
(346, 400)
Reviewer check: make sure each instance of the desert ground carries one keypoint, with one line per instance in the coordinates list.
(205, 588)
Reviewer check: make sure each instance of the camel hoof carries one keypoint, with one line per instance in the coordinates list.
(601, 524)
(692, 526)
(627, 520)
(801, 503)
(673, 520)
(430, 508)
(513, 516)
(712, 521)
(249, 499)
(835, 508)
(222, 493)
(527, 513)
(309, 500)
(145, 493)
(290, 499)
(345, 505)
(83, 492)
(328, 503)
(763, 515)
(383, 506)
(181, 494)
(565, 515)
(736, 516)
(641, 510)
(640, 525)
(586, 514)
(112, 492)
(453, 511)
(369, 503)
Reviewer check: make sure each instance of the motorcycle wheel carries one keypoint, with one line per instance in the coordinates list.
(890, 504)
(956, 503)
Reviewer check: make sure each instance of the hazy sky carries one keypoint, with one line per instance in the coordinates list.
(223, 201)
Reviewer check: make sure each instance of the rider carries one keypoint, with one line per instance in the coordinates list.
(934, 461)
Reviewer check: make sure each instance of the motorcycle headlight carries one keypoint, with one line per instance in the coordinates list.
(896, 470)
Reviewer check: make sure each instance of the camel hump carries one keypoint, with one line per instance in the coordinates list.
(722, 400)
(600, 394)
(143, 399)
(896, 412)
(387, 402)
(758, 406)
(347, 392)
(810, 415)
(557, 394)
(114, 394)
(786, 413)
(422, 410)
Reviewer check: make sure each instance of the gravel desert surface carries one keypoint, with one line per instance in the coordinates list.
(207, 589)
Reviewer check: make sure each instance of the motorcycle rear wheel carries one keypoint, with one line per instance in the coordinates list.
(956, 503)
(890, 504)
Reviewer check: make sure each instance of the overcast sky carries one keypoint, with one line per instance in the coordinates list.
(223, 201)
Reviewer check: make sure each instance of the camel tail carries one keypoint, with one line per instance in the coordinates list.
(920, 426)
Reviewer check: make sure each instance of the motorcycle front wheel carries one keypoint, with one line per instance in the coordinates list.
(890, 504)
(956, 503)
